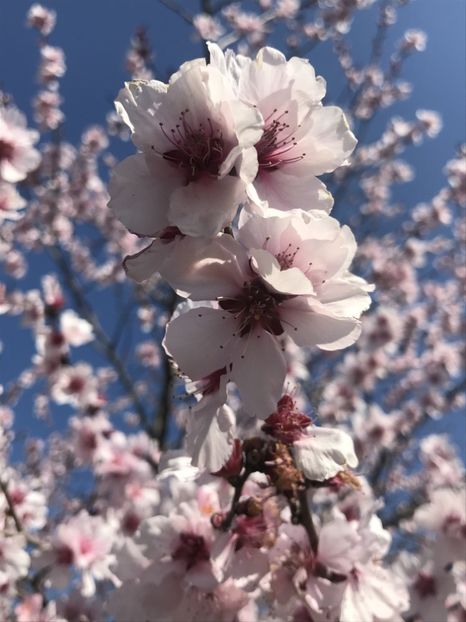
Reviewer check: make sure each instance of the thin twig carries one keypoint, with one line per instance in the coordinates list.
(178, 10)
(162, 417)
(58, 255)
(226, 524)
(307, 522)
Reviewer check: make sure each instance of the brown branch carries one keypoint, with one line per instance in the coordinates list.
(178, 10)
(305, 517)
(162, 417)
(11, 507)
(85, 309)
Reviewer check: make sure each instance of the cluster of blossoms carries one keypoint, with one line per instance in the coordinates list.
(247, 136)
(305, 479)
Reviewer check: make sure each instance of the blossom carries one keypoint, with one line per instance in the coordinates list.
(191, 134)
(301, 139)
(208, 27)
(10, 202)
(284, 275)
(14, 561)
(185, 544)
(84, 542)
(41, 18)
(75, 330)
(75, 384)
(17, 154)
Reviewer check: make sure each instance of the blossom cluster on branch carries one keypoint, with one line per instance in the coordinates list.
(257, 398)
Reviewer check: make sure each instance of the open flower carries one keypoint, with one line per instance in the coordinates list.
(284, 275)
(191, 134)
(301, 137)
(17, 154)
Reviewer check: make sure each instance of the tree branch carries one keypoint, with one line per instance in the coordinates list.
(178, 10)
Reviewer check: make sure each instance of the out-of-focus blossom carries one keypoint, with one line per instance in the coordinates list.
(75, 330)
(52, 64)
(83, 542)
(10, 202)
(47, 111)
(42, 19)
(17, 154)
(209, 28)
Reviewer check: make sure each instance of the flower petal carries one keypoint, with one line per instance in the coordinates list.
(197, 340)
(308, 327)
(259, 370)
(289, 281)
(139, 197)
(205, 207)
(324, 453)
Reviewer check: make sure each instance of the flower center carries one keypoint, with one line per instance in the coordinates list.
(6, 150)
(276, 141)
(191, 549)
(256, 305)
(425, 585)
(287, 424)
(286, 257)
(196, 150)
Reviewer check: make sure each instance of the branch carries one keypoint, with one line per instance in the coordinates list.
(162, 417)
(178, 10)
(11, 507)
(307, 522)
(102, 340)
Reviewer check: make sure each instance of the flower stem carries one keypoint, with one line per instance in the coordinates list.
(307, 522)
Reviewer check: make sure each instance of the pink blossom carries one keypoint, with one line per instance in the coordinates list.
(75, 330)
(33, 609)
(83, 542)
(17, 154)
(286, 274)
(191, 133)
(42, 19)
(301, 137)
(52, 64)
(208, 27)
(10, 202)
(47, 111)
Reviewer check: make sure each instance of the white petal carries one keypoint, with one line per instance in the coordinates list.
(139, 197)
(310, 328)
(210, 434)
(324, 453)
(145, 263)
(198, 340)
(259, 370)
(285, 191)
(206, 269)
(326, 140)
(205, 207)
(289, 281)
(137, 104)
(345, 298)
